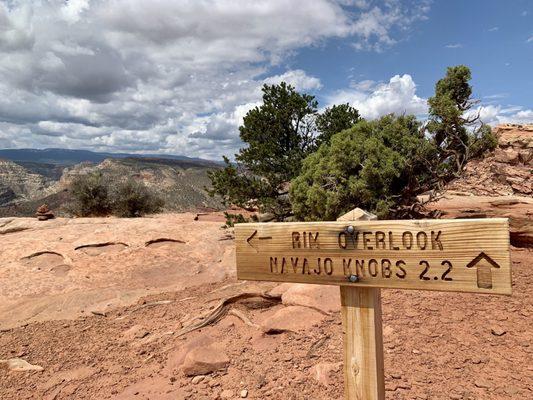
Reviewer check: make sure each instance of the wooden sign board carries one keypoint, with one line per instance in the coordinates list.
(469, 255)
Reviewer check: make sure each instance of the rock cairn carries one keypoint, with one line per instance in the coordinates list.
(43, 213)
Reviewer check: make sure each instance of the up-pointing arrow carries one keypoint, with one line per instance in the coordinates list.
(484, 265)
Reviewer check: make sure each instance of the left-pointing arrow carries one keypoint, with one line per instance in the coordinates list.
(249, 240)
(252, 237)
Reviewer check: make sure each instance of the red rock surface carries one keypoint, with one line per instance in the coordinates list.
(500, 185)
(101, 305)
(437, 345)
(66, 268)
(508, 171)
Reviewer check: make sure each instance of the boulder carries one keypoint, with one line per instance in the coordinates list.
(280, 289)
(358, 214)
(265, 217)
(204, 360)
(323, 372)
(292, 319)
(320, 297)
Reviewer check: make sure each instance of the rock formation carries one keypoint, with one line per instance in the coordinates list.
(43, 213)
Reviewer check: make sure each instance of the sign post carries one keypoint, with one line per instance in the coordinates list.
(362, 257)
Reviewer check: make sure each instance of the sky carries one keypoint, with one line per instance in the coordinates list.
(177, 76)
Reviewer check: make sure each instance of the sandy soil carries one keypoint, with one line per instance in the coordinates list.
(437, 346)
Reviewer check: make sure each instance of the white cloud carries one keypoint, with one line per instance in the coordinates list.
(169, 76)
(376, 99)
(497, 114)
(297, 78)
(494, 29)
(529, 40)
(454, 46)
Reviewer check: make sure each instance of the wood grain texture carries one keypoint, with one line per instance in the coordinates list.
(420, 254)
(364, 376)
(363, 344)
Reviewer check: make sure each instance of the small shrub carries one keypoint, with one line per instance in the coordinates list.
(482, 142)
(97, 195)
(91, 195)
(131, 198)
(232, 219)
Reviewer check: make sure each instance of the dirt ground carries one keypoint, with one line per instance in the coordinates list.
(437, 346)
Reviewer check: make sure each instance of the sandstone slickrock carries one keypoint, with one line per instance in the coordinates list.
(321, 297)
(507, 171)
(292, 318)
(500, 185)
(34, 288)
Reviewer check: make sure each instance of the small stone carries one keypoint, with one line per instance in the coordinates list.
(497, 331)
(244, 394)
(197, 379)
(20, 365)
(323, 372)
(141, 334)
(482, 384)
(396, 375)
(292, 318)
(226, 394)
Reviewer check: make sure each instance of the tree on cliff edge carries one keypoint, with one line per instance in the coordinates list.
(455, 128)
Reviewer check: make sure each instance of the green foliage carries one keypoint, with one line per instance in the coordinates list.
(483, 141)
(97, 195)
(232, 219)
(91, 195)
(375, 165)
(131, 198)
(278, 135)
(334, 120)
(382, 165)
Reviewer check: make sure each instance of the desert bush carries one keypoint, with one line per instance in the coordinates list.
(482, 142)
(95, 194)
(383, 165)
(454, 126)
(232, 219)
(90, 194)
(375, 165)
(131, 198)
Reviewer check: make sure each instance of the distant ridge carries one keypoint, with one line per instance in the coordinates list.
(66, 157)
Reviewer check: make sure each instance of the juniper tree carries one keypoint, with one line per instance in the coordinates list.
(278, 135)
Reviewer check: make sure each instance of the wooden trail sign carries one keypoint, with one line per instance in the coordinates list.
(361, 257)
(449, 255)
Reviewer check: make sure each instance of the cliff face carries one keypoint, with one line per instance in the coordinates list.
(18, 184)
(507, 171)
(500, 185)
